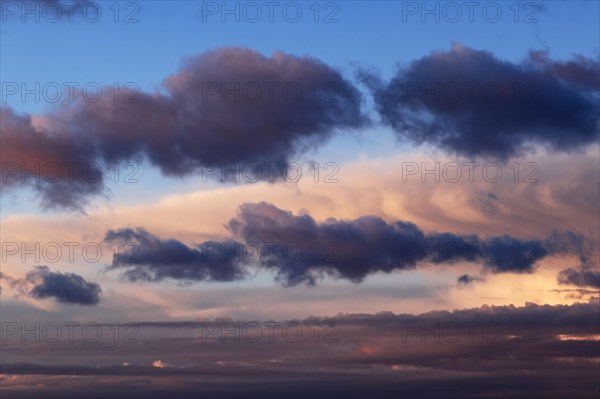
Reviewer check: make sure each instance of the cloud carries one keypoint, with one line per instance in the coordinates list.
(586, 273)
(58, 165)
(474, 352)
(231, 105)
(580, 278)
(149, 258)
(471, 103)
(229, 108)
(465, 279)
(69, 288)
(352, 249)
(301, 250)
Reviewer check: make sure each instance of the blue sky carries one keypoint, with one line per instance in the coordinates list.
(97, 52)
(162, 33)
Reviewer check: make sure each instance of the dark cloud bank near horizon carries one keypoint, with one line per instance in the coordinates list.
(502, 352)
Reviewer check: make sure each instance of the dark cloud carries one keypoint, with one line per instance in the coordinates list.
(586, 273)
(353, 249)
(578, 294)
(579, 277)
(301, 250)
(147, 257)
(472, 103)
(580, 70)
(64, 287)
(228, 107)
(586, 249)
(68, 288)
(59, 166)
(465, 279)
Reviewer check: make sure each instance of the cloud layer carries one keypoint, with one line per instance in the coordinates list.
(233, 108)
(301, 250)
(230, 107)
(498, 352)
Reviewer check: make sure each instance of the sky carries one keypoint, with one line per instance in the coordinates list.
(357, 198)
